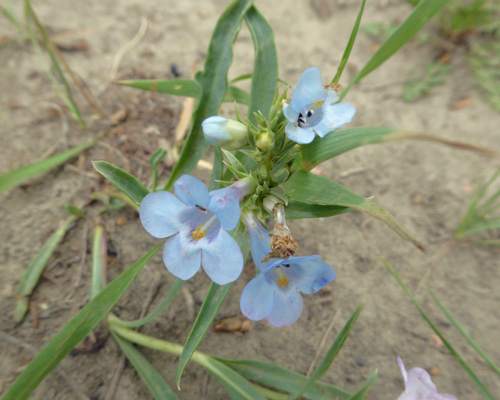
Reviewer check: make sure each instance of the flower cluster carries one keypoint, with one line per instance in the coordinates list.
(197, 221)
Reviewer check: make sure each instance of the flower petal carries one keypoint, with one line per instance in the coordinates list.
(159, 214)
(419, 381)
(308, 90)
(222, 259)
(260, 243)
(334, 116)
(182, 262)
(298, 134)
(403, 369)
(191, 191)
(257, 299)
(287, 308)
(226, 208)
(290, 113)
(310, 277)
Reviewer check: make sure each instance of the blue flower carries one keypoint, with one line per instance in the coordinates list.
(313, 109)
(196, 222)
(226, 133)
(273, 293)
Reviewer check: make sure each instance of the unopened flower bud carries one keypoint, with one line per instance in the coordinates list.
(226, 133)
(265, 140)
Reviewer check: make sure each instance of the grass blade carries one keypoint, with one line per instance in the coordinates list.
(177, 87)
(313, 189)
(265, 67)
(283, 379)
(332, 352)
(74, 332)
(213, 82)
(424, 11)
(36, 268)
(350, 44)
(363, 390)
(338, 142)
(448, 345)
(467, 337)
(99, 253)
(22, 174)
(148, 318)
(127, 183)
(153, 380)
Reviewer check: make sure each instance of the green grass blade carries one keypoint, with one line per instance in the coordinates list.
(10, 16)
(350, 44)
(283, 379)
(363, 390)
(310, 188)
(153, 380)
(148, 318)
(299, 210)
(332, 352)
(35, 269)
(236, 385)
(467, 337)
(22, 174)
(213, 82)
(338, 142)
(127, 183)
(211, 305)
(424, 11)
(265, 67)
(176, 87)
(74, 332)
(448, 345)
(98, 261)
(237, 95)
(480, 228)
(68, 98)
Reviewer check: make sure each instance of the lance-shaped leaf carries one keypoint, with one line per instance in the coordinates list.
(22, 174)
(127, 183)
(211, 305)
(310, 188)
(338, 142)
(176, 87)
(213, 82)
(265, 67)
(74, 332)
(36, 268)
(153, 380)
(424, 11)
(300, 209)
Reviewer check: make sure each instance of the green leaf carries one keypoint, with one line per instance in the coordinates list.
(211, 305)
(153, 380)
(237, 386)
(237, 95)
(98, 261)
(74, 210)
(350, 44)
(467, 337)
(265, 68)
(127, 183)
(363, 390)
(177, 285)
(177, 87)
(217, 170)
(338, 142)
(157, 157)
(74, 332)
(213, 82)
(17, 176)
(310, 188)
(299, 210)
(448, 345)
(424, 11)
(283, 379)
(332, 352)
(35, 269)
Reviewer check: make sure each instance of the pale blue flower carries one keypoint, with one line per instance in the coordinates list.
(419, 386)
(314, 110)
(196, 222)
(273, 293)
(226, 133)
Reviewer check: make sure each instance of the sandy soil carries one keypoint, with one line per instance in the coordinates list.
(425, 186)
